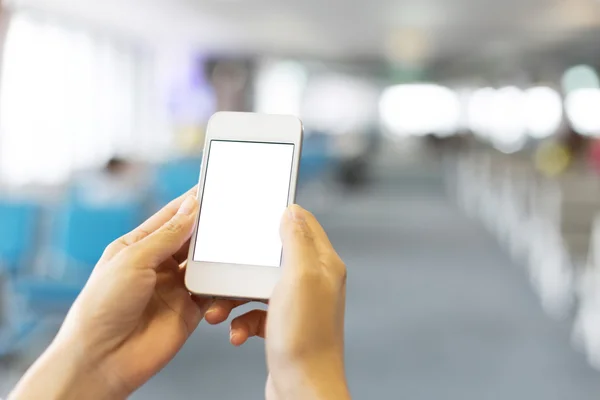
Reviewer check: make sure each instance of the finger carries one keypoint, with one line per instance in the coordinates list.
(148, 227)
(182, 254)
(202, 302)
(167, 240)
(322, 241)
(170, 267)
(221, 309)
(194, 311)
(327, 253)
(168, 212)
(299, 248)
(248, 325)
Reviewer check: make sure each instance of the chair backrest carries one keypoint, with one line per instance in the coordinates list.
(312, 166)
(83, 232)
(176, 177)
(316, 157)
(18, 223)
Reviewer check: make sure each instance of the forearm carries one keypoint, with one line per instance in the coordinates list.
(322, 388)
(325, 388)
(317, 380)
(62, 373)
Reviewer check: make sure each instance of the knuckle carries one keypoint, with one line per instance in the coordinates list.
(113, 247)
(309, 215)
(135, 237)
(338, 268)
(301, 230)
(341, 270)
(125, 242)
(172, 227)
(130, 253)
(136, 256)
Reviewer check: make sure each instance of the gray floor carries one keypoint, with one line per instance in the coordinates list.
(435, 310)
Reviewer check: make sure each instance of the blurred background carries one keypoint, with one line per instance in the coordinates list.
(452, 152)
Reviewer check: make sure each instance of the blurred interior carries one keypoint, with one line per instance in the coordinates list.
(452, 152)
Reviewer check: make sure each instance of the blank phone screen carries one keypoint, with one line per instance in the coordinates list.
(246, 192)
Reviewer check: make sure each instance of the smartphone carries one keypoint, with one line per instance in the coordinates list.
(248, 179)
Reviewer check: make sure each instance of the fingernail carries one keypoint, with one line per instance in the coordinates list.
(211, 310)
(188, 206)
(295, 213)
(232, 335)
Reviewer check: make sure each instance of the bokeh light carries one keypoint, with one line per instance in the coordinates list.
(543, 112)
(479, 111)
(280, 88)
(338, 104)
(420, 109)
(508, 124)
(582, 107)
(580, 77)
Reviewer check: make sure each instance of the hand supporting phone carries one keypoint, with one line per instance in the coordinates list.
(248, 179)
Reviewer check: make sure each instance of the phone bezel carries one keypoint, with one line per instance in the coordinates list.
(233, 280)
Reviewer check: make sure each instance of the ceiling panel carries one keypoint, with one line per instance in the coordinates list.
(340, 28)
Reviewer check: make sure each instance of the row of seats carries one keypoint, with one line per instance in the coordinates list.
(38, 283)
(549, 225)
(176, 177)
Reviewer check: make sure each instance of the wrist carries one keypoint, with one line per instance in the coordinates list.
(318, 379)
(65, 372)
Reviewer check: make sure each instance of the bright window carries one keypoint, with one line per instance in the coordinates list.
(68, 100)
(420, 109)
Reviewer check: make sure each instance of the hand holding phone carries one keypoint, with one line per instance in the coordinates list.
(130, 320)
(305, 324)
(136, 299)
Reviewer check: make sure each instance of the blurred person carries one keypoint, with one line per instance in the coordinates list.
(120, 181)
(594, 155)
(357, 151)
(434, 144)
(135, 314)
(576, 143)
(353, 172)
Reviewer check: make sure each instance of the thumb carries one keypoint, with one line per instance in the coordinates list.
(169, 238)
(299, 247)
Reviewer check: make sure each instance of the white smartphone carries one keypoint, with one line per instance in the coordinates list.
(248, 179)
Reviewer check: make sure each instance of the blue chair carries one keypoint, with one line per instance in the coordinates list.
(316, 157)
(11, 340)
(18, 223)
(83, 232)
(313, 166)
(175, 178)
(81, 235)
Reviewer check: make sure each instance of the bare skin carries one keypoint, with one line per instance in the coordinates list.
(135, 314)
